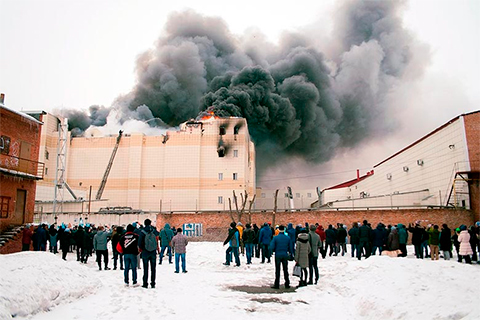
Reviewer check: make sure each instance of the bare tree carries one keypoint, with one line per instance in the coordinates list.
(274, 207)
(250, 209)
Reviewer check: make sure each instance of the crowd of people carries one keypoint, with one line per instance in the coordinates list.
(304, 244)
(129, 246)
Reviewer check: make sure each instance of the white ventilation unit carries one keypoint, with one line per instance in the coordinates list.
(389, 176)
(405, 169)
(420, 162)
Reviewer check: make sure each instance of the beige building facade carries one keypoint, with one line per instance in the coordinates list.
(195, 168)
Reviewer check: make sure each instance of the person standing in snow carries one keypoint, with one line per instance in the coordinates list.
(166, 235)
(233, 239)
(282, 246)
(331, 238)
(117, 254)
(27, 234)
(248, 239)
(403, 238)
(434, 240)
(364, 235)
(446, 242)
(392, 241)
(148, 244)
(302, 252)
(341, 238)
(465, 247)
(100, 241)
(354, 239)
(179, 242)
(315, 244)
(52, 235)
(128, 246)
(264, 238)
(65, 243)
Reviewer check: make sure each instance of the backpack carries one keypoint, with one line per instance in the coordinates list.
(150, 241)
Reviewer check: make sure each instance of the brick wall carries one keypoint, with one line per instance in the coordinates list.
(215, 224)
(18, 129)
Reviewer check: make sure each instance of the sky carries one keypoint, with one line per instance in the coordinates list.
(74, 54)
(41, 286)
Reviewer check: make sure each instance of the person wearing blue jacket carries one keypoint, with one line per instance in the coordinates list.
(233, 240)
(292, 234)
(166, 236)
(264, 239)
(283, 248)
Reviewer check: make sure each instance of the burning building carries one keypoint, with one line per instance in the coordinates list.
(194, 168)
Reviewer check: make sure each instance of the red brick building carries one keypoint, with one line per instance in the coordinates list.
(19, 168)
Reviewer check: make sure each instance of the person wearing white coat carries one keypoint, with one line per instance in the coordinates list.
(465, 247)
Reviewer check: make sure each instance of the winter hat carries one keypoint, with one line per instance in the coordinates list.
(233, 224)
(130, 228)
(67, 230)
(239, 224)
(179, 230)
(463, 227)
(312, 227)
(281, 227)
(457, 230)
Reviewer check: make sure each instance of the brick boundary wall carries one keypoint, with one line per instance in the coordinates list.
(215, 224)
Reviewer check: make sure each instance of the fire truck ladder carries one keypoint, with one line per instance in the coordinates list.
(109, 166)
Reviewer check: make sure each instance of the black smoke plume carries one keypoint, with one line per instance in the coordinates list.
(298, 102)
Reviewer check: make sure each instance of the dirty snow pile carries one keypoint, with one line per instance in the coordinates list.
(42, 286)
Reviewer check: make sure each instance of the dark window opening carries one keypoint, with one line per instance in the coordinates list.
(222, 131)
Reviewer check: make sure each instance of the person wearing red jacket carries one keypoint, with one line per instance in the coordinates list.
(323, 236)
(27, 235)
(128, 246)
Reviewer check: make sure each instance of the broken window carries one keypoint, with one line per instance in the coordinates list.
(235, 176)
(222, 131)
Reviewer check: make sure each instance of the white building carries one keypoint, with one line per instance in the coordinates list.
(439, 169)
(287, 199)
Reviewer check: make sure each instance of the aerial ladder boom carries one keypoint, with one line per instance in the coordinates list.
(109, 166)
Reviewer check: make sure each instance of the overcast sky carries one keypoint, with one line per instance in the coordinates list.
(74, 54)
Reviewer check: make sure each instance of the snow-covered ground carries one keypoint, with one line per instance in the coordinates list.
(41, 286)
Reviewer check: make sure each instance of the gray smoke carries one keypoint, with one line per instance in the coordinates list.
(298, 103)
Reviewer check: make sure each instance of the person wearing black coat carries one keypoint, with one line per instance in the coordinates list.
(331, 238)
(446, 242)
(364, 234)
(354, 239)
(65, 243)
(341, 238)
(256, 247)
(79, 240)
(417, 239)
(379, 238)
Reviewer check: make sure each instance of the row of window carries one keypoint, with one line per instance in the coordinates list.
(297, 195)
(220, 176)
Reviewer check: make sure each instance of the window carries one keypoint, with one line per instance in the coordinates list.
(4, 205)
(309, 195)
(222, 131)
(235, 153)
(220, 176)
(235, 176)
(286, 195)
(297, 195)
(46, 171)
(220, 199)
(46, 155)
(236, 129)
